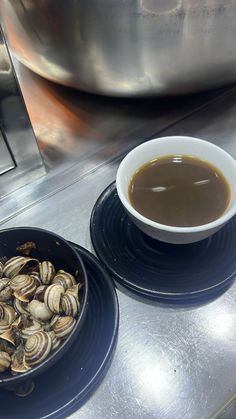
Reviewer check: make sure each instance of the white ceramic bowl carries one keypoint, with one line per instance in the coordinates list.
(176, 145)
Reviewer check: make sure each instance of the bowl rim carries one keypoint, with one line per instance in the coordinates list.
(62, 349)
(226, 216)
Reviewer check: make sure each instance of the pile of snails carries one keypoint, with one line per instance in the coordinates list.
(38, 310)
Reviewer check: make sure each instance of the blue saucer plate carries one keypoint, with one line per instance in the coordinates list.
(160, 270)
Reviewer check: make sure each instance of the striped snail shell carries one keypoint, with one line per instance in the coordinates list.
(7, 313)
(30, 330)
(17, 322)
(10, 314)
(4, 326)
(55, 341)
(53, 296)
(20, 306)
(12, 335)
(53, 320)
(36, 277)
(2, 311)
(5, 361)
(40, 292)
(46, 272)
(39, 311)
(5, 289)
(65, 279)
(18, 363)
(37, 348)
(24, 287)
(63, 326)
(17, 264)
(70, 301)
(1, 269)
(6, 347)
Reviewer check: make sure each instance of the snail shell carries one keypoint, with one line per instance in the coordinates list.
(37, 348)
(1, 269)
(36, 277)
(55, 341)
(40, 292)
(24, 287)
(16, 264)
(5, 361)
(4, 326)
(17, 322)
(63, 326)
(20, 306)
(10, 314)
(70, 302)
(2, 311)
(39, 310)
(7, 313)
(65, 279)
(30, 330)
(23, 321)
(12, 335)
(5, 290)
(53, 296)
(6, 347)
(18, 363)
(46, 272)
(53, 320)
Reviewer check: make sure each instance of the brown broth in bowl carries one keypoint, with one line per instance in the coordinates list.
(179, 190)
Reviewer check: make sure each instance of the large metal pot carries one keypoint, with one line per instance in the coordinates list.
(126, 47)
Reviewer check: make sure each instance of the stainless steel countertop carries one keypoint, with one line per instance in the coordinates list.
(170, 362)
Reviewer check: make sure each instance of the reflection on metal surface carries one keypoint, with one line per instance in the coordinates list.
(6, 161)
(220, 325)
(160, 7)
(126, 47)
(14, 122)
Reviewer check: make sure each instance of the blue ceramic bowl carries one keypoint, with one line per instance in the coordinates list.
(54, 248)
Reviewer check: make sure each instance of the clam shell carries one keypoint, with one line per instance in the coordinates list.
(20, 306)
(63, 326)
(5, 290)
(37, 348)
(24, 287)
(53, 296)
(65, 279)
(46, 272)
(70, 302)
(39, 310)
(17, 264)
(5, 361)
(1, 269)
(30, 330)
